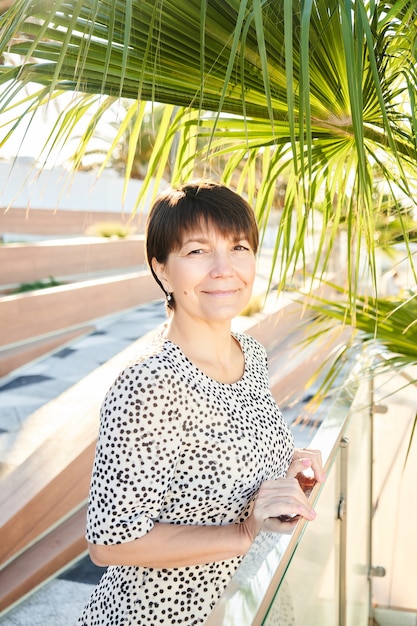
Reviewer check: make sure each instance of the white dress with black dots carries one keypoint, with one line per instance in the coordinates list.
(178, 447)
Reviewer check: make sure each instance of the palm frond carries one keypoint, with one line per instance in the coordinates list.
(389, 322)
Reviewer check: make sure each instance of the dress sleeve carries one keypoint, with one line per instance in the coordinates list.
(137, 451)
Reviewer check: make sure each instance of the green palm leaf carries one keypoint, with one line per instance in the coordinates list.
(391, 322)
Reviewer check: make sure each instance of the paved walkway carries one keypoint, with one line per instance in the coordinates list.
(27, 389)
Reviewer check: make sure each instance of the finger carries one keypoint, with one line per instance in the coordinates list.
(297, 466)
(291, 510)
(282, 497)
(317, 467)
(315, 462)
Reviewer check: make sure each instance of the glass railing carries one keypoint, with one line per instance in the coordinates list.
(319, 574)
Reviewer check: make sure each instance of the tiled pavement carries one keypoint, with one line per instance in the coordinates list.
(31, 386)
(60, 601)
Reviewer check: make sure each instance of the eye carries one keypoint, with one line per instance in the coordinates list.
(194, 252)
(240, 246)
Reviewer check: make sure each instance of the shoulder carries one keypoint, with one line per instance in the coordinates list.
(154, 366)
(148, 388)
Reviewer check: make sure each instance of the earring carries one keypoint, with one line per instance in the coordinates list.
(169, 297)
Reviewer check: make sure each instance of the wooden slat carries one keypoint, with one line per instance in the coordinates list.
(290, 380)
(36, 313)
(29, 262)
(43, 559)
(12, 358)
(60, 222)
(37, 514)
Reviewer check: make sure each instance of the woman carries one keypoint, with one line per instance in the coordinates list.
(193, 453)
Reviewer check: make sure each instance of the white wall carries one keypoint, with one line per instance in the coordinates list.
(23, 185)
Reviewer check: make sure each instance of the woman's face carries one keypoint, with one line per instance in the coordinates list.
(211, 275)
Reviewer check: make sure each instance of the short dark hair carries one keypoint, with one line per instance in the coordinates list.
(177, 211)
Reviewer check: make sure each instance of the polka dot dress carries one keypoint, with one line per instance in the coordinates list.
(178, 447)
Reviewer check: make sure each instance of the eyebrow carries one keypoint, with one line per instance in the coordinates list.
(202, 239)
(195, 239)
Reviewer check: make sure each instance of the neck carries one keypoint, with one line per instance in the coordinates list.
(203, 339)
(213, 350)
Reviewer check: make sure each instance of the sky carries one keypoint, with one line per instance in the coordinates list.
(33, 130)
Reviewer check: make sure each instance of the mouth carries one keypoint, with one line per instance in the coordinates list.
(221, 293)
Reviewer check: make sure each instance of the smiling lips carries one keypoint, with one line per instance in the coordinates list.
(221, 294)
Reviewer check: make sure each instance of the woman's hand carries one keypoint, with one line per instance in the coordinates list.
(285, 498)
(304, 459)
(280, 497)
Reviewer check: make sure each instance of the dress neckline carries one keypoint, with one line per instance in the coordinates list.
(202, 373)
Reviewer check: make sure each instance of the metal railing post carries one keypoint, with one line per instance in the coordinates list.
(341, 514)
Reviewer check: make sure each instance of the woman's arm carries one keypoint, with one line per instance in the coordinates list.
(173, 545)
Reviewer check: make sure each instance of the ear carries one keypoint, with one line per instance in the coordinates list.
(159, 269)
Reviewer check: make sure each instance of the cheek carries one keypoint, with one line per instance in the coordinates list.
(251, 273)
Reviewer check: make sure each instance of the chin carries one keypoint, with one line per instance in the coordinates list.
(227, 314)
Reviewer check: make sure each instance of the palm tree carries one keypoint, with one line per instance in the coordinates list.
(321, 93)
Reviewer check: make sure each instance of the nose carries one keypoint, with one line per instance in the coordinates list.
(222, 265)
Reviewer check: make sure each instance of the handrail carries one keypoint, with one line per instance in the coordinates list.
(249, 594)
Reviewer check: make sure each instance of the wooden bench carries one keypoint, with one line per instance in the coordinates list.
(103, 276)
(41, 312)
(65, 258)
(47, 315)
(14, 357)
